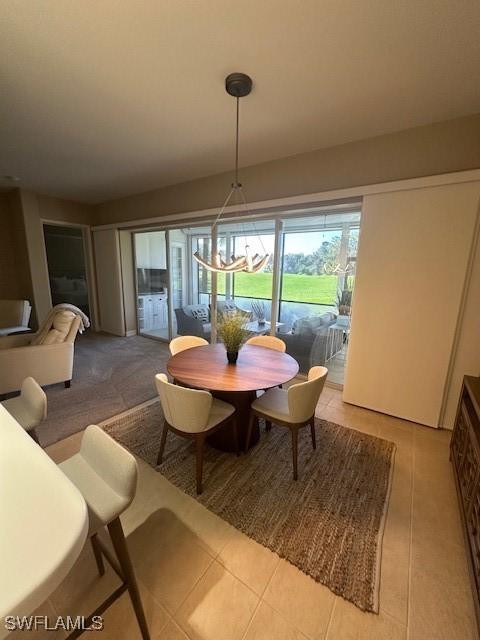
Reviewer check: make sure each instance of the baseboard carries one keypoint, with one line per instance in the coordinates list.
(131, 333)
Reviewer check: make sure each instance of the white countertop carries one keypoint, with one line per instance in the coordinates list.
(43, 522)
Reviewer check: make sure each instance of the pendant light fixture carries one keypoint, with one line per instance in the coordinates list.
(335, 268)
(237, 85)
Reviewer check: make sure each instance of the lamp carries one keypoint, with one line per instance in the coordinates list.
(237, 85)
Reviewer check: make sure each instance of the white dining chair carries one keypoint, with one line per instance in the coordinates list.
(106, 475)
(29, 408)
(195, 414)
(293, 408)
(185, 342)
(269, 342)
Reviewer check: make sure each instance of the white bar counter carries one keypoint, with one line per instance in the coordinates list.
(43, 522)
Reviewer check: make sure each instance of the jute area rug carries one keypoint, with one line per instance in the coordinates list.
(329, 523)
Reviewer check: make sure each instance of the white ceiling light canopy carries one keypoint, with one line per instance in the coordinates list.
(237, 85)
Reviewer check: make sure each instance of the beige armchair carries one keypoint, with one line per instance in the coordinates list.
(14, 316)
(49, 362)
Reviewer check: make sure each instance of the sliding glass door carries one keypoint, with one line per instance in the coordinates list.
(188, 283)
(317, 281)
(152, 284)
(250, 292)
(307, 302)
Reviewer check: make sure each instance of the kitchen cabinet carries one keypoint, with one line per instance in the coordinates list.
(153, 311)
(150, 250)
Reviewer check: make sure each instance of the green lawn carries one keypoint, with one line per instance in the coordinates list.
(298, 288)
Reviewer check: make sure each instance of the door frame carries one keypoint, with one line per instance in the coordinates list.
(174, 244)
(135, 232)
(92, 293)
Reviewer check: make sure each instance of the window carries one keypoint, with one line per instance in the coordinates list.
(243, 287)
(316, 279)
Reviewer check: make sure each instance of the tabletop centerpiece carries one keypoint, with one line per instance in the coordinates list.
(258, 308)
(231, 330)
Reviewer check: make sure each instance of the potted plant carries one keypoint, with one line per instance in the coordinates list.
(231, 330)
(258, 308)
(344, 302)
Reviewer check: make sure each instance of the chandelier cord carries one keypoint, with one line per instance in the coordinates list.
(245, 205)
(236, 142)
(227, 200)
(238, 186)
(237, 85)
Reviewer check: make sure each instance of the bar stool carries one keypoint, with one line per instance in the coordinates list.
(106, 475)
(29, 408)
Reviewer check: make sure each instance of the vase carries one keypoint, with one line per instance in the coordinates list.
(232, 357)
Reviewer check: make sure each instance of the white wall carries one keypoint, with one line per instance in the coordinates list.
(412, 265)
(37, 256)
(128, 282)
(466, 360)
(109, 281)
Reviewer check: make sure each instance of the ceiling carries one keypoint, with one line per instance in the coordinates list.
(104, 99)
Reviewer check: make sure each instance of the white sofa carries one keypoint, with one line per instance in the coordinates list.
(49, 362)
(14, 316)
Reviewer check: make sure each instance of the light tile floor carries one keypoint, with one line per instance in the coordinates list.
(203, 580)
(337, 366)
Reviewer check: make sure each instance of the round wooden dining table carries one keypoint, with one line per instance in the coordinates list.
(206, 367)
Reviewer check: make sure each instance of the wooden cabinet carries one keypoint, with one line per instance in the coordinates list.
(465, 457)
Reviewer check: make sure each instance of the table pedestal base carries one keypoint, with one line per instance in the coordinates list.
(223, 438)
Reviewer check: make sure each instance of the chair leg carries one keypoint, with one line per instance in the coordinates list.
(294, 431)
(235, 435)
(268, 425)
(162, 443)
(312, 431)
(199, 442)
(119, 544)
(251, 420)
(97, 552)
(67, 384)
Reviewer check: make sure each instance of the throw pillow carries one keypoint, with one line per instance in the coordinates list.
(200, 313)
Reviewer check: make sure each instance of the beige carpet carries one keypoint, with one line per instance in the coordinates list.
(329, 524)
(110, 374)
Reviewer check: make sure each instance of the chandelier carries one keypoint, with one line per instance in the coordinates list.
(237, 85)
(335, 268)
